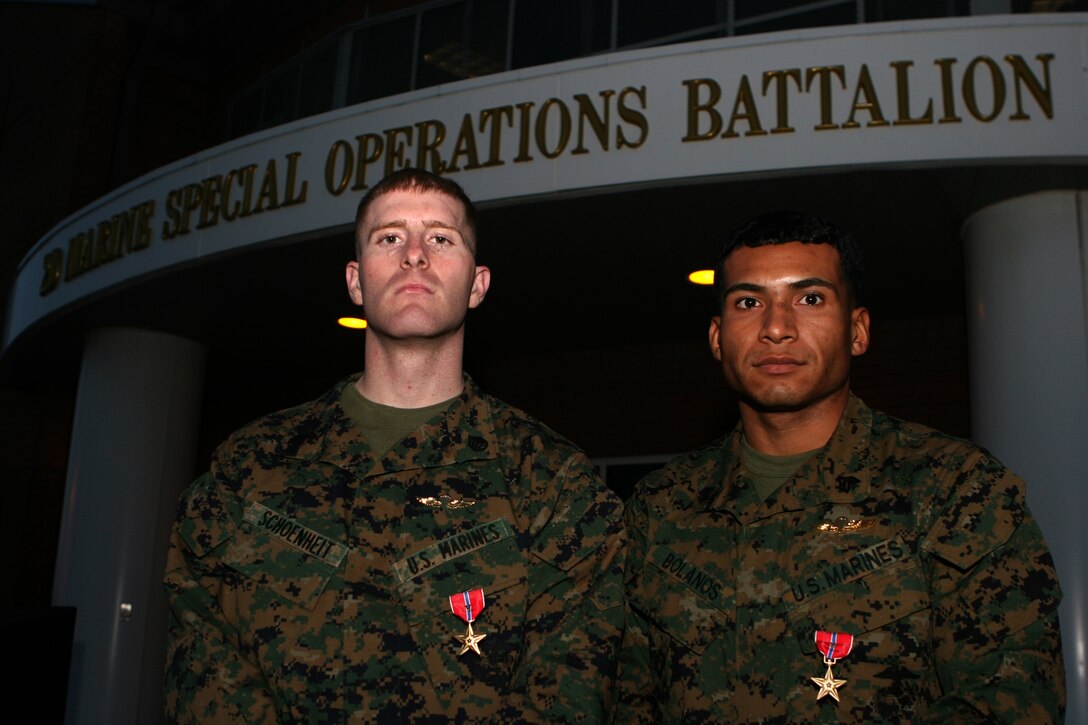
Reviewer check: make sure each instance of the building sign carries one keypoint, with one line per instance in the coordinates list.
(1007, 89)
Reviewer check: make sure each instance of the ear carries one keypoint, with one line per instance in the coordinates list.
(859, 324)
(715, 337)
(481, 280)
(355, 290)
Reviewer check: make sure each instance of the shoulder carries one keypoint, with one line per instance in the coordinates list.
(914, 439)
(286, 432)
(966, 500)
(545, 460)
(690, 480)
(540, 453)
(939, 460)
(513, 424)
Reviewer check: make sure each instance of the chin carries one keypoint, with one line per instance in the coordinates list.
(775, 404)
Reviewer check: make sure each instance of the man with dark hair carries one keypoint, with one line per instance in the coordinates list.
(406, 548)
(826, 562)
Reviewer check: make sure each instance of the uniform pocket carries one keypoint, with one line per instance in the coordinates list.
(891, 670)
(684, 604)
(277, 553)
(863, 606)
(430, 576)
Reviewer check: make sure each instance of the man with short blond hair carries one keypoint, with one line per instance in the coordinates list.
(406, 548)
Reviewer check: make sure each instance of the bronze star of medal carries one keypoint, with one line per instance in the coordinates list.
(469, 641)
(828, 685)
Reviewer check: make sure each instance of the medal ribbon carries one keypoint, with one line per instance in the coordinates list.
(834, 645)
(468, 605)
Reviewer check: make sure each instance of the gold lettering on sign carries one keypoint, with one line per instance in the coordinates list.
(542, 128)
(823, 75)
(427, 156)
(632, 117)
(744, 109)
(997, 88)
(52, 265)
(108, 240)
(982, 87)
(465, 147)
(598, 121)
(697, 106)
(865, 99)
(782, 95)
(902, 88)
(601, 122)
(1040, 90)
(230, 196)
(948, 94)
(337, 183)
(494, 118)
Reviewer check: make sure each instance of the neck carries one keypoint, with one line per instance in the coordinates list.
(784, 433)
(412, 373)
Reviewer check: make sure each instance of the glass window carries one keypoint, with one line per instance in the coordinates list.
(880, 10)
(245, 114)
(845, 14)
(644, 20)
(280, 96)
(462, 40)
(315, 94)
(381, 60)
(743, 9)
(546, 32)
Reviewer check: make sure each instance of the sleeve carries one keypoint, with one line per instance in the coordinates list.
(574, 616)
(635, 695)
(208, 677)
(995, 599)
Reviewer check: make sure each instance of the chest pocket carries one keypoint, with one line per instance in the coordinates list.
(865, 605)
(892, 666)
(427, 580)
(283, 556)
(681, 599)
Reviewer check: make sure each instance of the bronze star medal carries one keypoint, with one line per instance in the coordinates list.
(467, 606)
(470, 641)
(833, 646)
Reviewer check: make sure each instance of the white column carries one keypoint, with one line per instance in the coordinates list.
(133, 443)
(1027, 298)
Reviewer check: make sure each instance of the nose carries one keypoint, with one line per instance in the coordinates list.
(778, 323)
(415, 252)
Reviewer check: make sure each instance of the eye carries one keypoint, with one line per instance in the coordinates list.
(386, 239)
(812, 298)
(442, 240)
(746, 303)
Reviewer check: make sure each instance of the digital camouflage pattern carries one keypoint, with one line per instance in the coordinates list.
(310, 582)
(918, 544)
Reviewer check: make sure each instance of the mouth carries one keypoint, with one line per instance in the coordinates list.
(413, 288)
(778, 364)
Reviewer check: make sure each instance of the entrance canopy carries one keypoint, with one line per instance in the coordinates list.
(995, 91)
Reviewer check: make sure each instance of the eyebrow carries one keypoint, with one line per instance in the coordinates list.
(795, 285)
(427, 224)
(812, 282)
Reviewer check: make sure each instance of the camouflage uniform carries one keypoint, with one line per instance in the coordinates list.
(310, 581)
(918, 544)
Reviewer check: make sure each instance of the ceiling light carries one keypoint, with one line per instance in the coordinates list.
(355, 323)
(702, 276)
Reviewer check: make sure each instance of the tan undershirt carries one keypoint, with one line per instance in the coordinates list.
(384, 425)
(769, 472)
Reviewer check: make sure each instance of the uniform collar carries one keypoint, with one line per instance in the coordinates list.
(838, 473)
(464, 432)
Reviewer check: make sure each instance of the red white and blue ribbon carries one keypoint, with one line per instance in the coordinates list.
(833, 646)
(468, 605)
